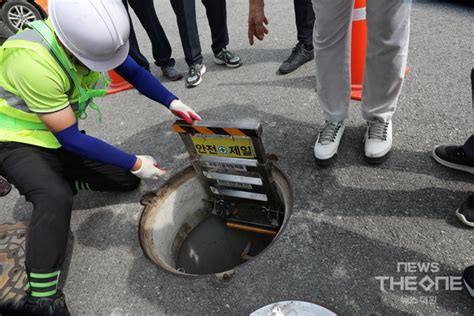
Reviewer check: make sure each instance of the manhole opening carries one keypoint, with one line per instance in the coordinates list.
(184, 233)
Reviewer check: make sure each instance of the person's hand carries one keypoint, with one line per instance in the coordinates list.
(257, 20)
(149, 168)
(181, 110)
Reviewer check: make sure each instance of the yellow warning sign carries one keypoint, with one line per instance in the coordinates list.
(230, 147)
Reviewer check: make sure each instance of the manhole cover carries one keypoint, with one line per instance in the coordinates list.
(293, 308)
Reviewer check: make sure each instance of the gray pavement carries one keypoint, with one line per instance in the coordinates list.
(351, 222)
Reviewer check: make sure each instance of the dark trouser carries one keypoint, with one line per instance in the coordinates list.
(304, 14)
(48, 178)
(134, 48)
(469, 144)
(468, 147)
(161, 48)
(216, 12)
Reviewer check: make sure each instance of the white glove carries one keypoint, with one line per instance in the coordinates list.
(149, 169)
(184, 112)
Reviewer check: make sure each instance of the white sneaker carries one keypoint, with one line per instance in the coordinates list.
(325, 148)
(378, 141)
(194, 76)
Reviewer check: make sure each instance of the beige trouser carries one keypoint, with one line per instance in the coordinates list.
(388, 23)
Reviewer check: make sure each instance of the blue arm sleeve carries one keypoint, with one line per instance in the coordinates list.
(145, 82)
(92, 148)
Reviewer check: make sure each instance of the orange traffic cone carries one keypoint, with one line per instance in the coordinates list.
(358, 47)
(117, 83)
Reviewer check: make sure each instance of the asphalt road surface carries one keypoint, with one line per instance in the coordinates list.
(351, 222)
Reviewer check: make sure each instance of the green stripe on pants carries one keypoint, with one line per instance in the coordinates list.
(43, 294)
(42, 285)
(44, 275)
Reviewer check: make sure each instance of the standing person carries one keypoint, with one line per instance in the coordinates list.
(161, 48)
(461, 158)
(48, 76)
(303, 51)
(217, 16)
(388, 23)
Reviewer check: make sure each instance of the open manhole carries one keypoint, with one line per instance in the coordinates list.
(181, 231)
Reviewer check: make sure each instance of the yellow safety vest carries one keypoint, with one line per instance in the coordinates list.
(17, 122)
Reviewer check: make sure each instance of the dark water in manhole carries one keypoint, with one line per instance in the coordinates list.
(212, 247)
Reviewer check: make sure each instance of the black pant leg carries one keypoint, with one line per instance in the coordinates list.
(469, 144)
(185, 11)
(305, 18)
(145, 11)
(85, 174)
(216, 12)
(37, 174)
(134, 48)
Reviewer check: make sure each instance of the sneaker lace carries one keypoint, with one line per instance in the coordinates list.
(328, 133)
(226, 54)
(192, 71)
(378, 129)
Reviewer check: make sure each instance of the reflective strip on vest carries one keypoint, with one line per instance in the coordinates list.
(18, 122)
(18, 103)
(33, 36)
(13, 100)
(12, 123)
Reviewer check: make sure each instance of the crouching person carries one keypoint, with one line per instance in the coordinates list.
(47, 77)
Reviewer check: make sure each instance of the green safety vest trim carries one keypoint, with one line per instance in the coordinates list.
(85, 95)
(17, 122)
(12, 123)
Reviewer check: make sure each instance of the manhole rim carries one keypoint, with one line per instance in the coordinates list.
(181, 177)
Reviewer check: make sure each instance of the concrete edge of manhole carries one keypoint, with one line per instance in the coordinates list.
(151, 199)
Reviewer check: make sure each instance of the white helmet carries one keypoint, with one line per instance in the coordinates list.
(95, 31)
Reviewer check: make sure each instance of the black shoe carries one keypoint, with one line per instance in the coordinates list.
(468, 278)
(5, 187)
(194, 76)
(35, 306)
(466, 212)
(298, 57)
(172, 73)
(453, 157)
(224, 57)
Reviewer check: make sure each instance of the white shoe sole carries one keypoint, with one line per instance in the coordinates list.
(192, 85)
(452, 165)
(379, 157)
(326, 160)
(377, 160)
(463, 219)
(220, 62)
